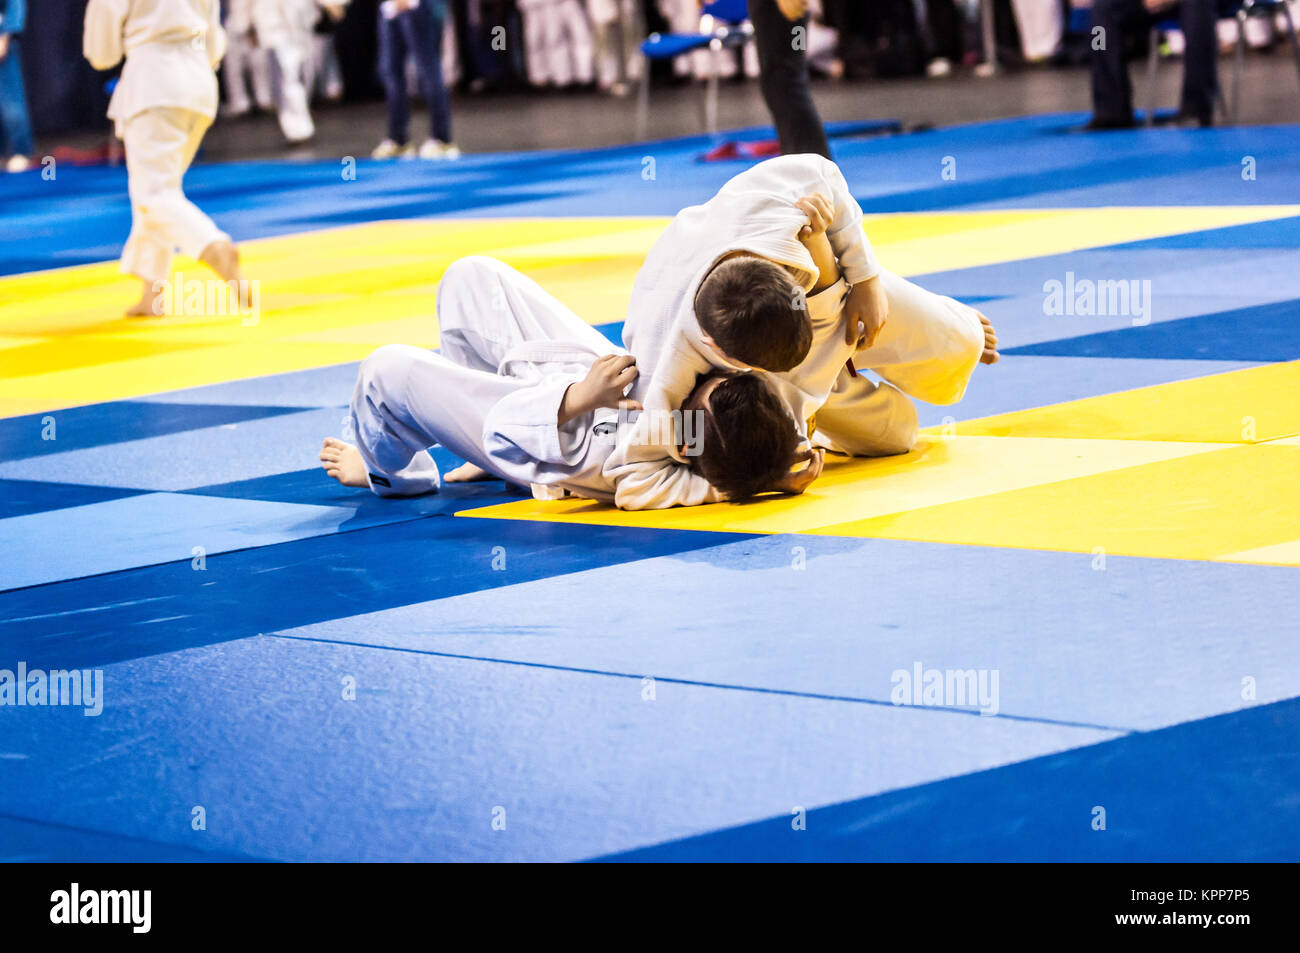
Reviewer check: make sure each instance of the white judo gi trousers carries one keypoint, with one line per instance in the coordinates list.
(502, 337)
(927, 350)
(160, 145)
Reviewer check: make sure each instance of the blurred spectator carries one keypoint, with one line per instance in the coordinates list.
(557, 43)
(286, 29)
(413, 28)
(15, 125)
(1042, 27)
(245, 63)
(784, 74)
(618, 31)
(323, 75)
(1112, 92)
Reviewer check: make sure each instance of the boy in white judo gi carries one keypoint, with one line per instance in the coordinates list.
(526, 391)
(727, 287)
(162, 106)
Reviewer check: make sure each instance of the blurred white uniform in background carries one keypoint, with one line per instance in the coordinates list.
(618, 30)
(1042, 26)
(245, 63)
(557, 42)
(285, 29)
(162, 106)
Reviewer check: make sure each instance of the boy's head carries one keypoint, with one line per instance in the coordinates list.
(754, 313)
(747, 440)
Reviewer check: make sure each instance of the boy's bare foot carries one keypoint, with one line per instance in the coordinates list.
(343, 462)
(466, 473)
(149, 305)
(990, 355)
(223, 258)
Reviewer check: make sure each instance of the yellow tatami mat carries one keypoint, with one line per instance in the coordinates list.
(332, 296)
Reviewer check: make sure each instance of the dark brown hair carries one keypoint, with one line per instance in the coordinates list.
(747, 438)
(755, 312)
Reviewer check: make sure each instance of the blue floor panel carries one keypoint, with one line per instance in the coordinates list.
(84, 215)
(740, 614)
(639, 693)
(1022, 380)
(1220, 790)
(161, 608)
(149, 528)
(260, 733)
(21, 497)
(98, 425)
(23, 841)
(183, 460)
(1264, 333)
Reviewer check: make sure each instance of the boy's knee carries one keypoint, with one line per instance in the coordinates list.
(384, 367)
(962, 359)
(472, 271)
(465, 282)
(900, 436)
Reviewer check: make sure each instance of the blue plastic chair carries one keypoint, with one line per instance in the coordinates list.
(1242, 11)
(723, 25)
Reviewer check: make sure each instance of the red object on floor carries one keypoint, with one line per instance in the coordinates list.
(106, 153)
(728, 150)
(763, 149)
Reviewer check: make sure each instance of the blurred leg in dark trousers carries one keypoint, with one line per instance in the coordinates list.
(783, 67)
(1112, 93)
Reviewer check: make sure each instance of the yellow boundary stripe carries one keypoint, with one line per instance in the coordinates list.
(333, 295)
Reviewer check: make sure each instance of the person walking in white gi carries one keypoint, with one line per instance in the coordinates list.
(161, 108)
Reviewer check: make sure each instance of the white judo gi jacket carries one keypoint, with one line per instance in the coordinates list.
(171, 47)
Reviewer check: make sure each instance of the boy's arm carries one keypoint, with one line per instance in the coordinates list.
(526, 434)
(845, 234)
(813, 237)
(101, 41)
(645, 476)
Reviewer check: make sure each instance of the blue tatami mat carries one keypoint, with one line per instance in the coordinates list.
(1233, 780)
(288, 762)
(741, 616)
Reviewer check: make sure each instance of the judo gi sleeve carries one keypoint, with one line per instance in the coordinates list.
(645, 477)
(101, 40)
(216, 39)
(847, 238)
